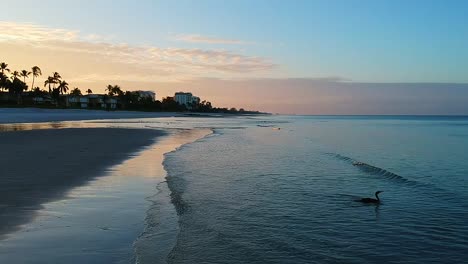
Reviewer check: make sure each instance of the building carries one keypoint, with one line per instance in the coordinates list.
(93, 101)
(110, 103)
(183, 98)
(195, 100)
(76, 101)
(186, 99)
(146, 94)
(96, 101)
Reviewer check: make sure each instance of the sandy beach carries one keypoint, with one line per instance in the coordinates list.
(38, 166)
(32, 115)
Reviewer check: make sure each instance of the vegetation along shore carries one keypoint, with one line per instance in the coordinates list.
(57, 93)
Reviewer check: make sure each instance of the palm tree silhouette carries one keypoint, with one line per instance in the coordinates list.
(110, 90)
(63, 87)
(50, 80)
(114, 90)
(25, 74)
(54, 79)
(36, 71)
(76, 91)
(57, 76)
(15, 75)
(4, 67)
(118, 91)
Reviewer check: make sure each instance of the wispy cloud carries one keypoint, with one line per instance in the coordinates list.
(12, 31)
(195, 38)
(144, 61)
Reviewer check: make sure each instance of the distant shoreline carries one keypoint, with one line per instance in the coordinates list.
(34, 115)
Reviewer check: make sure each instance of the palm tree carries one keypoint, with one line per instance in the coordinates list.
(4, 67)
(54, 79)
(25, 74)
(114, 90)
(50, 80)
(89, 91)
(16, 86)
(57, 76)
(15, 75)
(36, 71)
(63, 87)
(3, 81)
(76, 91)
(118, 91)
(110, 90)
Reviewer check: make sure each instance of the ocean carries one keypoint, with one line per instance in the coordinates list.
(266, 189)
(284, 190)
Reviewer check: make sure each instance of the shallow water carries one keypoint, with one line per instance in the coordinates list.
(266, 190)
(260, 195)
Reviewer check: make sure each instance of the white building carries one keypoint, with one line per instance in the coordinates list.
(186, 99)
(183, 98)
(146, 94)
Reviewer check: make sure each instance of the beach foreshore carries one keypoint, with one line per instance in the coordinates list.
(38, 166)
(33, 115)
(37, 115)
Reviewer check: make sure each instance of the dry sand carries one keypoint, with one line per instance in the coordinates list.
(38, 166)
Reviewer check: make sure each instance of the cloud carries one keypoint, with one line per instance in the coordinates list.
(136, 61)
(195, 38)
(12, 31)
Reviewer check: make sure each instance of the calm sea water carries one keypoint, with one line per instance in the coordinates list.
(255, 194)
(266, 190)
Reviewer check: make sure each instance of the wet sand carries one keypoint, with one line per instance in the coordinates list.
(33, 115)
(39, 166)
(124, 216)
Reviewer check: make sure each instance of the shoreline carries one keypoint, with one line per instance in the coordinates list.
(39, 166)
(162, 226)
(105, 207)
(122, 212)
(38, 115)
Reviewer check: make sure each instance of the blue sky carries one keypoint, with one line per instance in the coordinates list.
(358, 41)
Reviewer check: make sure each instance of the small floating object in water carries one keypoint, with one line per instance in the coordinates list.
(277, 128)
(358, 163)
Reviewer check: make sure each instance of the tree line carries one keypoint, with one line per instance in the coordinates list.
(15, 83)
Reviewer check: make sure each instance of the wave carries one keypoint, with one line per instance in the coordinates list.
(377, 171)
(167, 204)
(176, 183)
(374, 170)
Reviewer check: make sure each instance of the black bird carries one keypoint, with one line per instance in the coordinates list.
(371, 200)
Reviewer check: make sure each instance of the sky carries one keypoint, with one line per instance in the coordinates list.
(290, 57)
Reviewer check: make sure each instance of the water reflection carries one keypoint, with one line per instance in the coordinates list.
(100, 221)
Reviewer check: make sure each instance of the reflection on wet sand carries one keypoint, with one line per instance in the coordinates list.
(46, 125)
(39, 166)
(100, 221)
